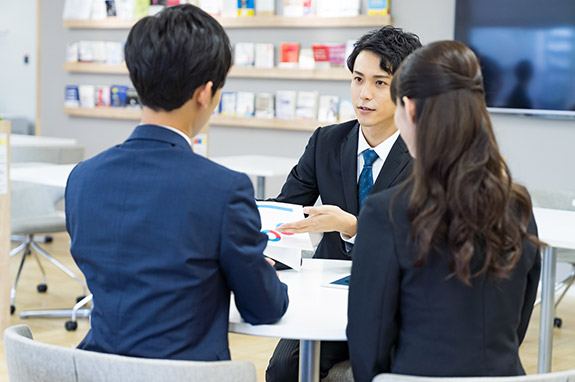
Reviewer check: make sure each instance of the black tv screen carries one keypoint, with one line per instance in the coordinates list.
(527, 53)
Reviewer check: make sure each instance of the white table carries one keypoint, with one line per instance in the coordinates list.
(259, 166)
(316, 313)
(557, 229)
(47, 174)
(23, 140)
(27, 148)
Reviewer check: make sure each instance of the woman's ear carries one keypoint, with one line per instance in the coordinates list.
(410, 107)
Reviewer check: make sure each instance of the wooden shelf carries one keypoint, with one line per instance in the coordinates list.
(330, 74)
(251, 22)
(95, 67)
(215, 120)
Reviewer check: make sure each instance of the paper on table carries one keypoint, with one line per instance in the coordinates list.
(283, 247)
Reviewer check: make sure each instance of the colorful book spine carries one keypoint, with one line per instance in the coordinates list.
(378, 7)
(246, 8)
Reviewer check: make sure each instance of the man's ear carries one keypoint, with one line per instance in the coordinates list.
(409, 107)
(204, 94)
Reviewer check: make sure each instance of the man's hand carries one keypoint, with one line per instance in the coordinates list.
(323, 219)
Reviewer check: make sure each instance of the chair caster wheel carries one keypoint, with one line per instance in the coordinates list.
(557, 322)
(12, 309)
(71, 326)
(42, 288)
(48, 239)
(80, 298)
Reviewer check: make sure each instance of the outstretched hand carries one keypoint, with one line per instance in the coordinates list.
(324, 218)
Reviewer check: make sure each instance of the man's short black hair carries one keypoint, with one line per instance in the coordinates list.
(171, 54)
(392, 44)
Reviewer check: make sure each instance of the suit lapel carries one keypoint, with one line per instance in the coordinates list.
(397, 159)
(348, 160)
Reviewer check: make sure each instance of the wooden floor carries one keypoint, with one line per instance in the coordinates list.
(62, 292)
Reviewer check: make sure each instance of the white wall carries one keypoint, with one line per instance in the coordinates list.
(18, 38)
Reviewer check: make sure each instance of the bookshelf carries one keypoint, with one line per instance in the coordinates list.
(217, 120)
(330, 74)
(251, 22)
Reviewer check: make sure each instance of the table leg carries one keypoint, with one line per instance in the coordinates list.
(261, 190)
(547, 310)
(309, 360)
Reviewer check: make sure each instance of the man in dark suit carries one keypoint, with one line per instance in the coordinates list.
(162, 234)
(342, 164)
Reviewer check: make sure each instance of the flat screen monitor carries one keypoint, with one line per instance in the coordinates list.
(527, 53)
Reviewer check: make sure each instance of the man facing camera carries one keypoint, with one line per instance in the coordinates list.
(342, 164)
(164, 235)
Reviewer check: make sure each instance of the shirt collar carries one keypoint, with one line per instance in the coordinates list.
(181, 133)
(382, 150)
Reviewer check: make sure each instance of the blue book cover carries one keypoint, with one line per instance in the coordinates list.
(246, 8)
(118, 95)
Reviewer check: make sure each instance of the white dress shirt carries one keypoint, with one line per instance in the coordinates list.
(382, 151)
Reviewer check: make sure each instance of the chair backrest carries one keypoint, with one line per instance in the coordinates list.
(33, 208)
(98, 367)
(31, 361)
(561, 376)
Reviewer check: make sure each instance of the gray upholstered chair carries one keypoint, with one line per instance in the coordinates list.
(31, 361)
(562, 376)
(559, 200)
(340, 372)
(33, 210)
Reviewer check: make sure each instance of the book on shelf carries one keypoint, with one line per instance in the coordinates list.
(98, 10)
(321, 56)
(298, 8)
(265, 7)
(118, 95)
(156, 6)
(229, 8)
(213, 7)
(337, 55)
(349, 45)
(306, 105)
(125, 9)
(245, 104)
(98, 51)
(328, 108)
(285, 104)
(289, 55)
(337, 8)
(346, 111)
(141, 8)
(72, 53)
(102, 95)
(378, 7)
(264, 105)
(264, 55)
(306, 59)
(111, 8)
(77, 10)
(244, 54)
(72, 96)
(114, 52)
(132, 99)
(87, 96)
(228, 104)
(246, 8)
(85, 52)
(200, 144)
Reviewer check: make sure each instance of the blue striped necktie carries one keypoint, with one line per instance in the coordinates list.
(366, 177)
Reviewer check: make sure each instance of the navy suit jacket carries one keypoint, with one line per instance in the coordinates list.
(163, 235)
(413, 320)
(328, 169)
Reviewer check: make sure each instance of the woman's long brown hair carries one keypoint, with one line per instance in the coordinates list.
(462, 191)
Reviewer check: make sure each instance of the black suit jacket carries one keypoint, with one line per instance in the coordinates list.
(437, 325)
(328, 169)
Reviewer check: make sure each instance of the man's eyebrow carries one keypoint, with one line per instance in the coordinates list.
(386, 76)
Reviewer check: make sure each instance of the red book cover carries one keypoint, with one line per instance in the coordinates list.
(320, 54)
(289, 53)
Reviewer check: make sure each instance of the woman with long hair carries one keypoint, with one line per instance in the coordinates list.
(445, 266)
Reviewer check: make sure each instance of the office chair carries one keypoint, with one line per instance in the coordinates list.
(29, 360)
(560, 376)
(33, 210)
(559, 200)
